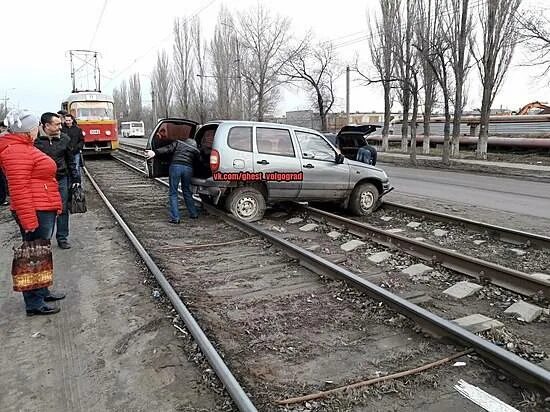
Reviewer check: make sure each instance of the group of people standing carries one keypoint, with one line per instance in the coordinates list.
(39, 161)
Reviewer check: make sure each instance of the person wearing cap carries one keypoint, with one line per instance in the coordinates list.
(57, 145)
(34, 193)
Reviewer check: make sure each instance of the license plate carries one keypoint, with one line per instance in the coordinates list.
(94, 131)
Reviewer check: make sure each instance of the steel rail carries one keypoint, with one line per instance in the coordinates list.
(499, 275)
(507, 361)
(504, 234)
(507, 278)
(237, 393)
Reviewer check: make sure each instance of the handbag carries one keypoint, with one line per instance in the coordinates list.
(32, 266)
(78, 201)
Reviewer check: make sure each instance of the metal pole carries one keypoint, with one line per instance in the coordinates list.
(347, 94)
(155, 119)
(240, 78)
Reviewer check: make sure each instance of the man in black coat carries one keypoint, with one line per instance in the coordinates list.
(57, 145)
(77, 138)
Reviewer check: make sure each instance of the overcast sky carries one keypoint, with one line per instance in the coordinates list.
(35, 71)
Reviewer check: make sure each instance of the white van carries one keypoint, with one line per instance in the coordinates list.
(132, 129)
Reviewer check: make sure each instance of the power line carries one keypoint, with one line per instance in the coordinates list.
(350, 42)
(156, 44)
(98, 22)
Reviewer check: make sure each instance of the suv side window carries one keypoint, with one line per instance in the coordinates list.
(314, 147)
(240, 138)
(274, 141)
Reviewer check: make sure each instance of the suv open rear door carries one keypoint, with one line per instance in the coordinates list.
(165, 132)
(351, 138)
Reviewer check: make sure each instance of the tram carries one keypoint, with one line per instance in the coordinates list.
(94, 114)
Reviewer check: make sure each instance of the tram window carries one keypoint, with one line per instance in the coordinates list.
(94, 113)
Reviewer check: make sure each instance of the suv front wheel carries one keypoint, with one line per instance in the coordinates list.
(363, 199)
(246, 203)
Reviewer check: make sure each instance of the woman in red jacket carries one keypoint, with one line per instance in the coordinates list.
(34, 194)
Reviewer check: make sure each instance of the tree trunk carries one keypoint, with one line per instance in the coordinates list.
(387, 116)
(413, 126)
(322, 114)
(481, 152)
(427, 118)
(405, 124)
(446, 131)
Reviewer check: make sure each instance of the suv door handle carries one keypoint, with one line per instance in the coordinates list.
(262, 162)
(309, 166)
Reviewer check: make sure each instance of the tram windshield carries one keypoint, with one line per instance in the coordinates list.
(93, 110)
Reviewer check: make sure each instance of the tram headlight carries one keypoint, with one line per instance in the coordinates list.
(108, 132)
(83, 133)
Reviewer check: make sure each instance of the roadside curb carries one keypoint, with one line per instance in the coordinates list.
(457, 165)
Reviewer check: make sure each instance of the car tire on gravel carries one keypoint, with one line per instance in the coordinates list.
(363, 199)
(246, 203)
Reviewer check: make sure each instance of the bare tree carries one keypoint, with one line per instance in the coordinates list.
(381, 41)
(535, 33)
(499, 31)
(3, 111)
(183, 62)
(318, 68)
(120, 97)
(403, 51)
(438, 55)
(201, 93)
(162, 81)
(458, 29)
(134, 98)
(225, 64)
(426, 32)
(266, 49)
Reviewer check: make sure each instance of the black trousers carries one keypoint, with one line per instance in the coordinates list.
(3, 187)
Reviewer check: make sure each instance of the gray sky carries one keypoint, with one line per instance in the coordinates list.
(35, 66)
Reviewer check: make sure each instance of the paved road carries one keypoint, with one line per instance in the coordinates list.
(500, 193)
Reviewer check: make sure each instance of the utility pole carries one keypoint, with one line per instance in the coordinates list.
(347, 94)
(240, 78)
(155, 119)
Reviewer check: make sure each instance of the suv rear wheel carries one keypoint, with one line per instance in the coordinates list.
(363, 199)
(246, 203)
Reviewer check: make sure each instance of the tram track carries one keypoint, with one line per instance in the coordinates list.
(484, 270)
(216, 267)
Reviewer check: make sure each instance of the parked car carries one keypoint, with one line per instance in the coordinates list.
(246, 165)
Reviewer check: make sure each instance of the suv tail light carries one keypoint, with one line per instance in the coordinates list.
(214, 160)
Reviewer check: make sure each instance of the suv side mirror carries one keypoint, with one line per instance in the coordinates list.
(339, 158)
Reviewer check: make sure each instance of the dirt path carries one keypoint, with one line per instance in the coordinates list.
(111, 348)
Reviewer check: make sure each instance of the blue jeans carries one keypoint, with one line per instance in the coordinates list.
(181, 173)
(62, 232)
(364, 155)
(34, 299)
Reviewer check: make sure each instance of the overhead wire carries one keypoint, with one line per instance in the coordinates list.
(350, 42)
(134, 61)
(98, 22)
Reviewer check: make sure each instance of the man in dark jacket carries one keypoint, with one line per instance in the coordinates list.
(77, 138)
(57, 145)
(183, 154)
